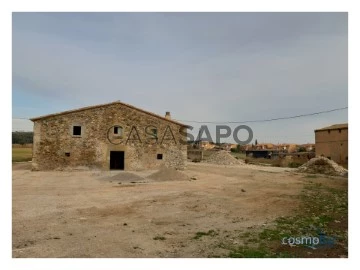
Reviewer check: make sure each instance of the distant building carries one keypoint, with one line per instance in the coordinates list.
(332, 142)
(203, 144)
(308, 147)
(266, 153)
(292, 148)
(206, 145)
(225, 146)
(264, 146)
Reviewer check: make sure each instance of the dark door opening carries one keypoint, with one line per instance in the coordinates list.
(117, 160)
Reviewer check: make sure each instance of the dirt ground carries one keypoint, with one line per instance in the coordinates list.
(107, 214)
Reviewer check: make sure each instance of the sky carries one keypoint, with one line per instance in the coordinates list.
(213, 67)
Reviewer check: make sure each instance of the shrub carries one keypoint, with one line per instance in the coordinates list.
(294, 164)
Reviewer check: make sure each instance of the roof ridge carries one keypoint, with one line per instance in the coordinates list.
(334, 126)
(103, 105)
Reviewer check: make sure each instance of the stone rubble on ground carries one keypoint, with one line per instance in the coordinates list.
(125, 177)
(323, 165)
(168, 174)
(223, 158)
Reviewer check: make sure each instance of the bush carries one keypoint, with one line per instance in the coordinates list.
(294, 164)
(22, 137)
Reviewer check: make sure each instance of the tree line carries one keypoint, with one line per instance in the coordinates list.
(22, 137)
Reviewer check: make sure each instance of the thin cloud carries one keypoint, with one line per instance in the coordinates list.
(199, 66)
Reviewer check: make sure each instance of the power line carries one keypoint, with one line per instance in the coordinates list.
(247, 121)
(264, 120)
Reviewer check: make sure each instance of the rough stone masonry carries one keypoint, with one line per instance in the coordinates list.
(109, 136)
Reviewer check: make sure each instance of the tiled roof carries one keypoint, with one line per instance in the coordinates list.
(104, 105)
(337, 126)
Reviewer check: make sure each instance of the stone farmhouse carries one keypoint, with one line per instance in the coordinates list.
(109, 136)
(332, 142)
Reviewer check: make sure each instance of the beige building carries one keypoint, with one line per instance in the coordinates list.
(332, 142)
(206, 145)
(108, 136)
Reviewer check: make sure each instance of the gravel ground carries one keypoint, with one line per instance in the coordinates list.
(93, 214)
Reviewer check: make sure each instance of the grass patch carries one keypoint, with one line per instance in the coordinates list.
(294, 164)
(247, 252)
(263, 161)
(274, 162)
(21, 154)
(238, 155)
(198, 235)
(323, 211)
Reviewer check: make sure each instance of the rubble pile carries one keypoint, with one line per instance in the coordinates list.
(125, 176)
(168, 174)
(223, 158)
(323, 165)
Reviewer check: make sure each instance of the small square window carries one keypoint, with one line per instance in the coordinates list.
(159, 156)
(118, 130)
(67, 154)
(154, 132)
(77, 130)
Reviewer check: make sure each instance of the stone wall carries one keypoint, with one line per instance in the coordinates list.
(55, 146)
(333, 144)
(195, 154)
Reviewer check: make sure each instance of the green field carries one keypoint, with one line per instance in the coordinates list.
(269, 162)
(239, 155)
(21, 154)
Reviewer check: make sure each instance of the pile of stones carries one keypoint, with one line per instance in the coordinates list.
(223, 158)
(323, 165)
